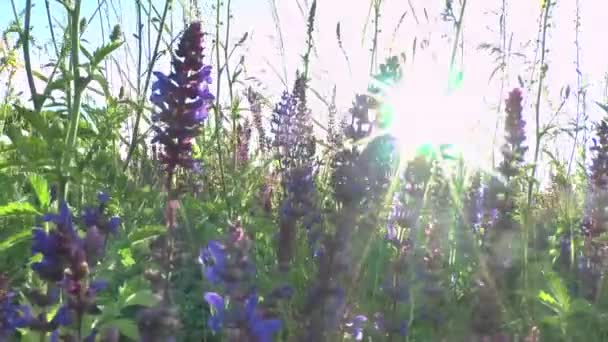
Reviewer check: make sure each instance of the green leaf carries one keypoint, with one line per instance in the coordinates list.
(18, 208)
(145, 233)
(547, 298)
(37, 121)
(581, 306)
(603, 106)
(143, 297)
(126, 327)
(41, 188)
(15, 239)
(100, 54)
(126, 257)
(86, 52)
(101, 80)
(28, 335)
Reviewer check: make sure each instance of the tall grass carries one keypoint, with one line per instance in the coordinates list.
(305, 220)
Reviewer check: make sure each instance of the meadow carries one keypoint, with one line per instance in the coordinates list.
(167, 180)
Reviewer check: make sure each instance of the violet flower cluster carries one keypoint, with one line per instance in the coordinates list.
(514, 149)
(255, 102)
(237, 312)
(12, 314)
(68, 261)
(243, 139)
(183, 99)
(594, 261)
(295, 150)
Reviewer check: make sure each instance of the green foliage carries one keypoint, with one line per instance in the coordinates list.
(524, 277)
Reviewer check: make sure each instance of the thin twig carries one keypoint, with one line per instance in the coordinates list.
(25, 40)
(538, 97)
(140, 106)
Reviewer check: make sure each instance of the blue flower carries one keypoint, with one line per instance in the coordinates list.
(213, 259)
(263, 329)
(12, 316)
(49, 268)
(44, 243)
(103, 198)
(91, 337)
(217, 317)
(63, 219)
(183, 100)
(356, 326)
(94, 217)
(63, 317)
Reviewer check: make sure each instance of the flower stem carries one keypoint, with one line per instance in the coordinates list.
(78, 85)
(140, 106)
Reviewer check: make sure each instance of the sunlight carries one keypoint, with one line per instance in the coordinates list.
(429, 110)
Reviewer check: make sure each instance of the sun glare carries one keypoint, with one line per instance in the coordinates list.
(428, 109)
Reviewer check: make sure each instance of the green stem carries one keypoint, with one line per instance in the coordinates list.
(78, 85)
(230, 91)
(372, 64)
(541, 78)
(458, 33)
(25, 38)
(218, 112)
(140, 105)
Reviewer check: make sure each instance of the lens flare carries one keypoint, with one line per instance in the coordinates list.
(428, 114)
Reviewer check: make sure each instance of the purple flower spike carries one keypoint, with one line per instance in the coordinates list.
(183, 100)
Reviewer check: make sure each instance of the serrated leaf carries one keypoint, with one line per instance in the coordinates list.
(41, 188)
(18, 208)
(86, 52)
(100, 54)
(547, 298)
(143, 298)
(15, 239)
(37, 121)
(126, 327)
(101, 80)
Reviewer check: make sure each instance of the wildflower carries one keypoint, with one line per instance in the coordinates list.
(227, 264)
(66, 262)
(158, 324)
(183, 99)
(255, 103)
(283, 126)
(243, 139)
(99, 227)
(214, 260)
(216, 302)
(595, 222)
(356, 326)
(295, 146)
(513, 150)
(12, 315)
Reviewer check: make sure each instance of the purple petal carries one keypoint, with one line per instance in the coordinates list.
(215, 300)
(264, 330)
(98, 285)
(103, 197)
(114, 224)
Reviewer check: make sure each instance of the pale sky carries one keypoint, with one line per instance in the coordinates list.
(472, 108)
